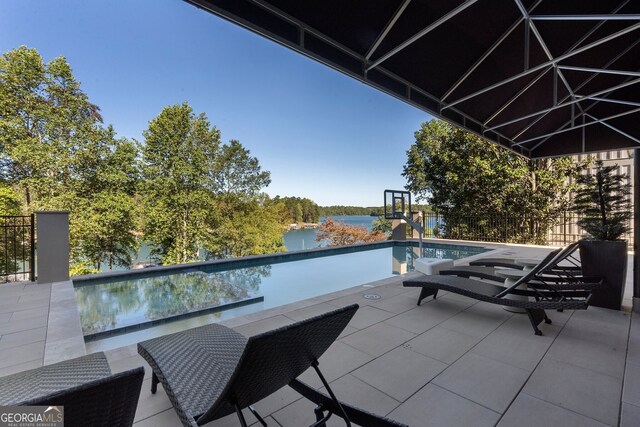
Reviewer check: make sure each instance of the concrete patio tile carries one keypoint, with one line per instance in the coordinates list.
(8, 303)
(338, 360)
(479, 320)
(274, 402)
(265, 325)
(630, 415)
(21, 367)
(631, 389)
(515, 343)
(400, 373)
(433, 406)
(358, 393)
(591, 345)
(300, 413)
(311, 311)
(30, 313)
(149, 403)
(355, 298)
(442, 344)
(348, 330)
(23, 337)
(130, 362)
(426, 316)
(22, 354)
(577, 389)
(527, 411)
(17, 306)
(633, 350)
(389, 290)
(41, 297)
(614, 318)
(121, 352)
(367, 316)
(378, 339)
(23, 325)
(166, 418)
(485, 381)
(397, 304)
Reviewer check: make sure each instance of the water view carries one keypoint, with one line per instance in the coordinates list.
(295, 240)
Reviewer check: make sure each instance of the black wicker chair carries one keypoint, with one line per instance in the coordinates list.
(90, 394)
(545, 292)
(212, 371)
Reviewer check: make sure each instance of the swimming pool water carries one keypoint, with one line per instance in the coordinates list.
(123, 304)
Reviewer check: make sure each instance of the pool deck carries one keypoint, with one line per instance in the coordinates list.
(449, 362)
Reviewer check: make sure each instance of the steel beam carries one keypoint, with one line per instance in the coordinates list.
(545, 64)
(422, 32)
(387, 28)
(615, 116)
(599, 70)
(587, 17)
(566, 104)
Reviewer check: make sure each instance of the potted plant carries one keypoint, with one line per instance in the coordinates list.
(604, 205)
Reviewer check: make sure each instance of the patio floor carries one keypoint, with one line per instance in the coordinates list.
(449, 362)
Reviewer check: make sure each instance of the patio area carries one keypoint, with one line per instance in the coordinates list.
(449, 362)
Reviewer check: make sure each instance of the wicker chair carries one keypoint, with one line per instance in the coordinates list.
(545, 292)
(90, 394)
(212, 371)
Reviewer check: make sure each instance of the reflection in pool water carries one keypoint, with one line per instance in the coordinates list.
(134, 301)
(115, 305)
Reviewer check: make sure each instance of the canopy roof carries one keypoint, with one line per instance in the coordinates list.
(541, 77)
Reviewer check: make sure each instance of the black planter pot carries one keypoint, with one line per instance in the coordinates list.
(608, 260)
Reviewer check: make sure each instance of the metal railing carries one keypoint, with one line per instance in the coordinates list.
(17, 248)
(504, 229)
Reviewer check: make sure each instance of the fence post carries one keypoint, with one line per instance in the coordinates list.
(564, 228)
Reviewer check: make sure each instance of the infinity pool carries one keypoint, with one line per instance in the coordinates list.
(113, 305)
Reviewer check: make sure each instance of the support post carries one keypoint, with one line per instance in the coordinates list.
(53, 246)
(636, 229)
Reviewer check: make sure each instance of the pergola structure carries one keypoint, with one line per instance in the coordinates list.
(542, 78)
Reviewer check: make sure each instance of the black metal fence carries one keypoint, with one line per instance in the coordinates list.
(504, 229)
(17, 248)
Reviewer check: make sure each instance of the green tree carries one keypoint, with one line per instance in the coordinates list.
(237, 173)
(58, 155)
(178, 161)
(463, 176)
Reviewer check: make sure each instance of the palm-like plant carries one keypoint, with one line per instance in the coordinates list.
(603, 201)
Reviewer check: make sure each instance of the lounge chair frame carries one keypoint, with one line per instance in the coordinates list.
(545, 293)
(213, 371)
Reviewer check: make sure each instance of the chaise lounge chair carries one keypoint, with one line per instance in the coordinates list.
(485, 268)
(544, 293)
(212, 371)
(512, 262)
(85, 387)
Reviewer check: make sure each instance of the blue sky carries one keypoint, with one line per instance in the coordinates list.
(321, 134)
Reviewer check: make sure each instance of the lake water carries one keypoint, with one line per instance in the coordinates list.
(296, 240)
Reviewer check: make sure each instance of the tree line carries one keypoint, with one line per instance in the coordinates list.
(182, 188)
(472, 182)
